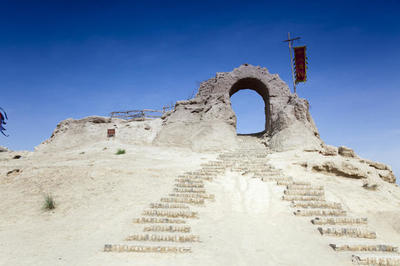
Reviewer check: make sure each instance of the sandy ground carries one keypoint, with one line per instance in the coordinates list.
(98, 194)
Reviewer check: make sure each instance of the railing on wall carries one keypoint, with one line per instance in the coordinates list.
(141, 115)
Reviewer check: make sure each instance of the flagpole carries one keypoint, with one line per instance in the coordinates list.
(291, 62)
(290, 41)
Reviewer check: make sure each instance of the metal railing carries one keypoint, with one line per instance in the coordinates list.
(141, 115)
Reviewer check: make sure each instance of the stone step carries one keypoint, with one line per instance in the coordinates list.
(170, 214)
(304, 192)
(189, 181)
(204, 175)
(302, 198)
(243, 158)
(167, 228)
(268, 174)
(217, 170)
(274, 179)
(284, 182)
(153, 220)
(315, 205)
(146, 249)
(255, 170)
(207, 178)
(195, 174)
(168, 206)
(209, 172)
(339, 221)
(238, 169)
(190, 185)
(234, 156)
(376, 261)
(254, 162)
(248, 156)
(267, 169)
(348, 232)
(308, 212)
(194, 201)
(163, 238)
(195, 195)
(365, 248)
(189, 175)
(253, 166)
(264, 170)
(304, 187)
(301, 183)
(190, 190)
(257, 165)
(212, 165)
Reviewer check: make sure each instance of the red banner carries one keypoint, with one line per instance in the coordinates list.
(300, 63)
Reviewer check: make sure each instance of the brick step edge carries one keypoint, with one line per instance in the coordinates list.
(146, 249)
(384, 261)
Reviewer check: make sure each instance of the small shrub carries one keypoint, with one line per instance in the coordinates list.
(120, 151)
(49, 203)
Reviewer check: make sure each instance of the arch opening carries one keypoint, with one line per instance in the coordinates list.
(248, 107)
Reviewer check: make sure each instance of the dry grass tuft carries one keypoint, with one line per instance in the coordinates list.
(49, 203)
(120, 151)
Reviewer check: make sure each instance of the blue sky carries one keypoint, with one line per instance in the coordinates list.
(61, 59)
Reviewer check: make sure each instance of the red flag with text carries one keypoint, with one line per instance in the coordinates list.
(300, 63)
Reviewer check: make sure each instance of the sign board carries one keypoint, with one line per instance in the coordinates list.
(110, 132)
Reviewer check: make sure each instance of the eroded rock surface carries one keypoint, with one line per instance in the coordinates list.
(351, 168)
(329, 150)
(342, 168)
(194, 122)
(72, 133)
(346, 152)
(4, 149)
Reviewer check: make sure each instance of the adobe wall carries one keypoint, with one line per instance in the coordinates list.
(208, 121)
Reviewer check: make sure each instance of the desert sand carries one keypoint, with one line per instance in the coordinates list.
(98, 194)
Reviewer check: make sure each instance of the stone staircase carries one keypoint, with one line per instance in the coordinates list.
(167, 222)
(344, 233)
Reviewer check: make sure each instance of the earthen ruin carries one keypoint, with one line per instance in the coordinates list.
(208, 121)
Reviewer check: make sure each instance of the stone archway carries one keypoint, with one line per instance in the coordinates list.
(207, 122)
(261, 89)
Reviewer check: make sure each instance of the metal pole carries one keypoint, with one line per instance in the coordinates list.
(291, 62)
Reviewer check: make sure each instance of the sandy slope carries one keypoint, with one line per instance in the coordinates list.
(99, 193)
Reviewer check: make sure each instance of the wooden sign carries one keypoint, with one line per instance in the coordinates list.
(110, 132)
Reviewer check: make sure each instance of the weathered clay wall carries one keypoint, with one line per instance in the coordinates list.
(208, 121)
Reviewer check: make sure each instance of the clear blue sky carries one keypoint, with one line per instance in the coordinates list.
(61, 59)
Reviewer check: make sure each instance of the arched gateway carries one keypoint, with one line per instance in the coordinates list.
(259, 87)
(208, 121)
